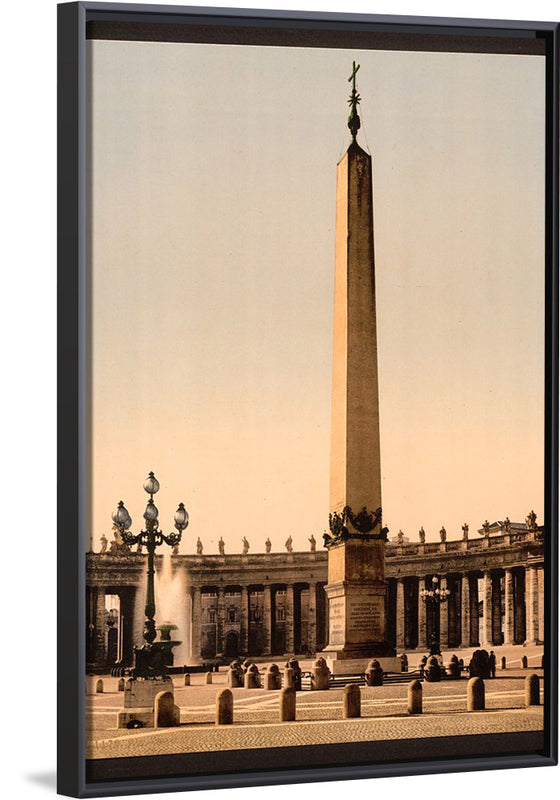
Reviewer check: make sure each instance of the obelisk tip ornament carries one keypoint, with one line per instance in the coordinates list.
(354, 122)
(356, 543)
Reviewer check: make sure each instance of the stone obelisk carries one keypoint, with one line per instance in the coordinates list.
(356, 586)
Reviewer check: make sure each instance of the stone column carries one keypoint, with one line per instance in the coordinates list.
(487, 610)
(196, 624)
(221, 620)
(91, 600)
(422, 632)
(474, 618)
(267, 621)
(444, 618)
(532, 595)
(541, 601)
(290, 618)
(496, 609)
(509, 610)
(100, 639)
(312, 618)
(400, 614)
(465, 611)
(244, 622)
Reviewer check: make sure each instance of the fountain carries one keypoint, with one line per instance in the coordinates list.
(171, 598)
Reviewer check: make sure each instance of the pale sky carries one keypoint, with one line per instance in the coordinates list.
(212, 221)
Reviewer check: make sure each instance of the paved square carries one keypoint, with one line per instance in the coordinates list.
(318, 718)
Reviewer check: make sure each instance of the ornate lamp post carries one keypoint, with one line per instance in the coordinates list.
(433, 598)
(149, 661)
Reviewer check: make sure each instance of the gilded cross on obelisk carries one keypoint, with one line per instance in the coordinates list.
(354, 122)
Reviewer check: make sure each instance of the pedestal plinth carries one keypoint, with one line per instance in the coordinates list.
(356, 592)
(139, 697)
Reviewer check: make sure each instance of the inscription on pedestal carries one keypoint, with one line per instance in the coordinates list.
(336, 621)
(364, 615)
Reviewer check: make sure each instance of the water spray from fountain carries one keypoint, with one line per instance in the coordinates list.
(172, 606)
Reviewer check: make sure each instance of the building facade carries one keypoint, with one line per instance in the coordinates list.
(274, 605)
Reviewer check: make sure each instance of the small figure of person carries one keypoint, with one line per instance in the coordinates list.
(443, 534)
(506, 525)
(400, 537)
(492, 664)
(198, 547)
(312, 543)
(465, 530)
(268, 546)
(422, 535)
(104, 542)
(221, 546)
(245, 546)
(289, 547)
(486, 527)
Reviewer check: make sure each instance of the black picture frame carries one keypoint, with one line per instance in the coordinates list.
(73, 296)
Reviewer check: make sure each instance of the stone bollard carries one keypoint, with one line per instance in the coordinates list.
(166, 713)
(287, 706)
(224, 707)
(374, 673)
(432, 672)
(532, 690)
(272, 678)
(475, 695)
(414, 697)
(454, 668)
(320, 675)
(99, 686)
(208, 677)
(293, 663)
(404, 663)
(235, 675)
(120, 685)
(525, 662)
(351, 701)
(289, 678)
(504, 662)
(187, 678)
(252, 677)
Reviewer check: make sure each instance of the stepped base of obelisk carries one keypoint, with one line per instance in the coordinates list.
(357, 666)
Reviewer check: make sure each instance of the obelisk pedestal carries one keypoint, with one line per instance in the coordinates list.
(356, 588)
(356, 596)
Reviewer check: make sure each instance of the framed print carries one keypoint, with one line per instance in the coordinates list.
(308, 394)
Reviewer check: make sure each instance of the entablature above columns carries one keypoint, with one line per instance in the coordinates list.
(473, 560)
(260, 569)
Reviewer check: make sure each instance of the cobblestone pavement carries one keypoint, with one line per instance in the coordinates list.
(203, 738)
(256, 717)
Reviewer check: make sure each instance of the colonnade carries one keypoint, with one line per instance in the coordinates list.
(484, 608)
(257, 619)
(275, 604)
(111, 639)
